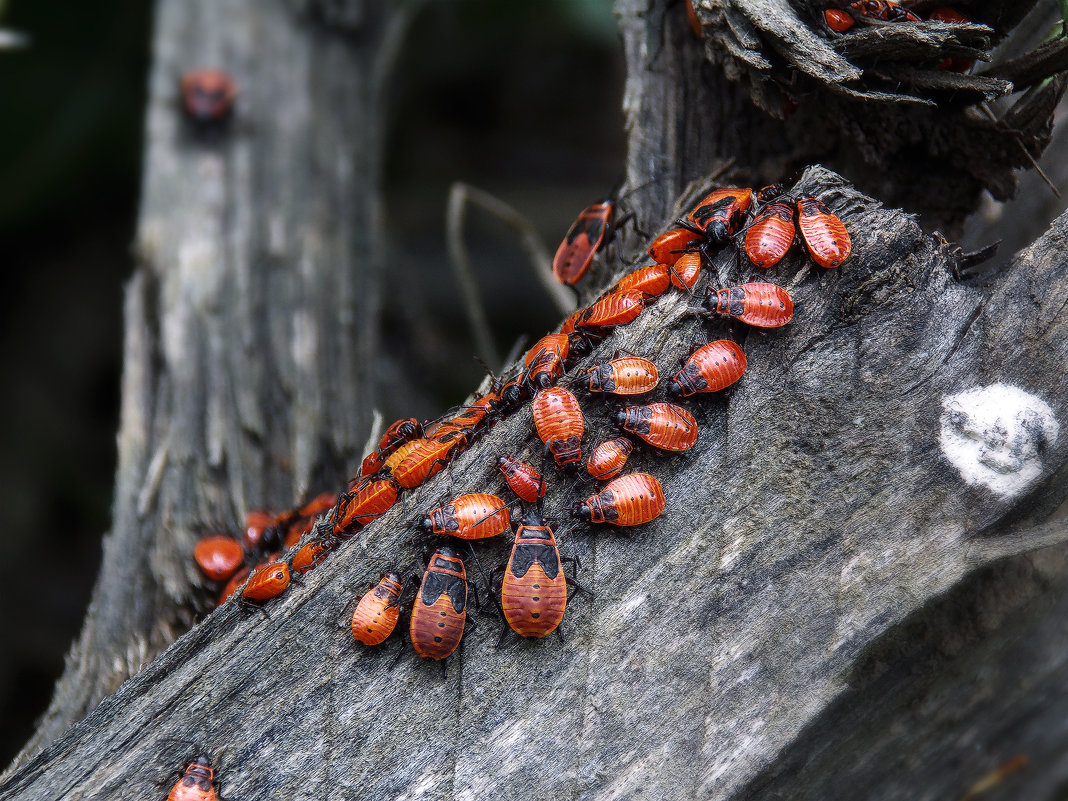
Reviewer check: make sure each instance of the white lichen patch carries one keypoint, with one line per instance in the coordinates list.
(995, 436)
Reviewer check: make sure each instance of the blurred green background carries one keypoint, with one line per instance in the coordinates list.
(521, 99)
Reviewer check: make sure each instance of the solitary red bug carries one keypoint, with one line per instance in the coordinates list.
(559, 423)
(469, 517)
(609, 458)
(534, 588)
(685, 272)
(196, 784)
(376, 614)
(838, 20)
(652, 280)
(756, 304)
(371, 500)
(824, 235)
(208, 95)
(721, 213)
(626, 375)
(440, 609)
(218, 556)
(772, 233)
(629, 500)
(662, 425)
(886, 10)
(710, 368)
(267, 582)
(667, 247)
(616, 308)
(523, 480)
(584, 238)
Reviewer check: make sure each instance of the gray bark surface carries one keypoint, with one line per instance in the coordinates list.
(251, 318)
(825, 603)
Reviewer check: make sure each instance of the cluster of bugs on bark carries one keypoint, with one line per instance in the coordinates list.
(591, 422)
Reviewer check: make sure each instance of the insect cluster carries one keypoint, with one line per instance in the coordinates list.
(568, 414)
(531, 590)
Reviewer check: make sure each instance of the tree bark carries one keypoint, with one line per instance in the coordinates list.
(858, 580)
(251, 320)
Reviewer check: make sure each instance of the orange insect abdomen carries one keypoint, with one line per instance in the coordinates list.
(581, 242)
(469, 517)
(686, 271)
(312, 554)
(522, 479)
(771, 234)
(609, 458)
(559, 422)
(663, 425)
(838, 20)
(419, 460)
(218, 556)
(534, 589)
(371, 500)
(667, 247)
(376, 614)
(568, 325)
(824, 235)
(629, 500)
(710, 368)
(628, 375)
(616, 308)
(196, 783)
(760, 305)
(651, 280)
(267, 582)
(440, 609)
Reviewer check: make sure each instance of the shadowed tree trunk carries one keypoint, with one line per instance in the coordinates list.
(858, 580)
(251, 319)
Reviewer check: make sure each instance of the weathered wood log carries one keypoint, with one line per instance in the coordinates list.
(823, 578)
(819, 528)
(251, 322)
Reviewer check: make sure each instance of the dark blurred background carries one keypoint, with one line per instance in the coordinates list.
(520, 99)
